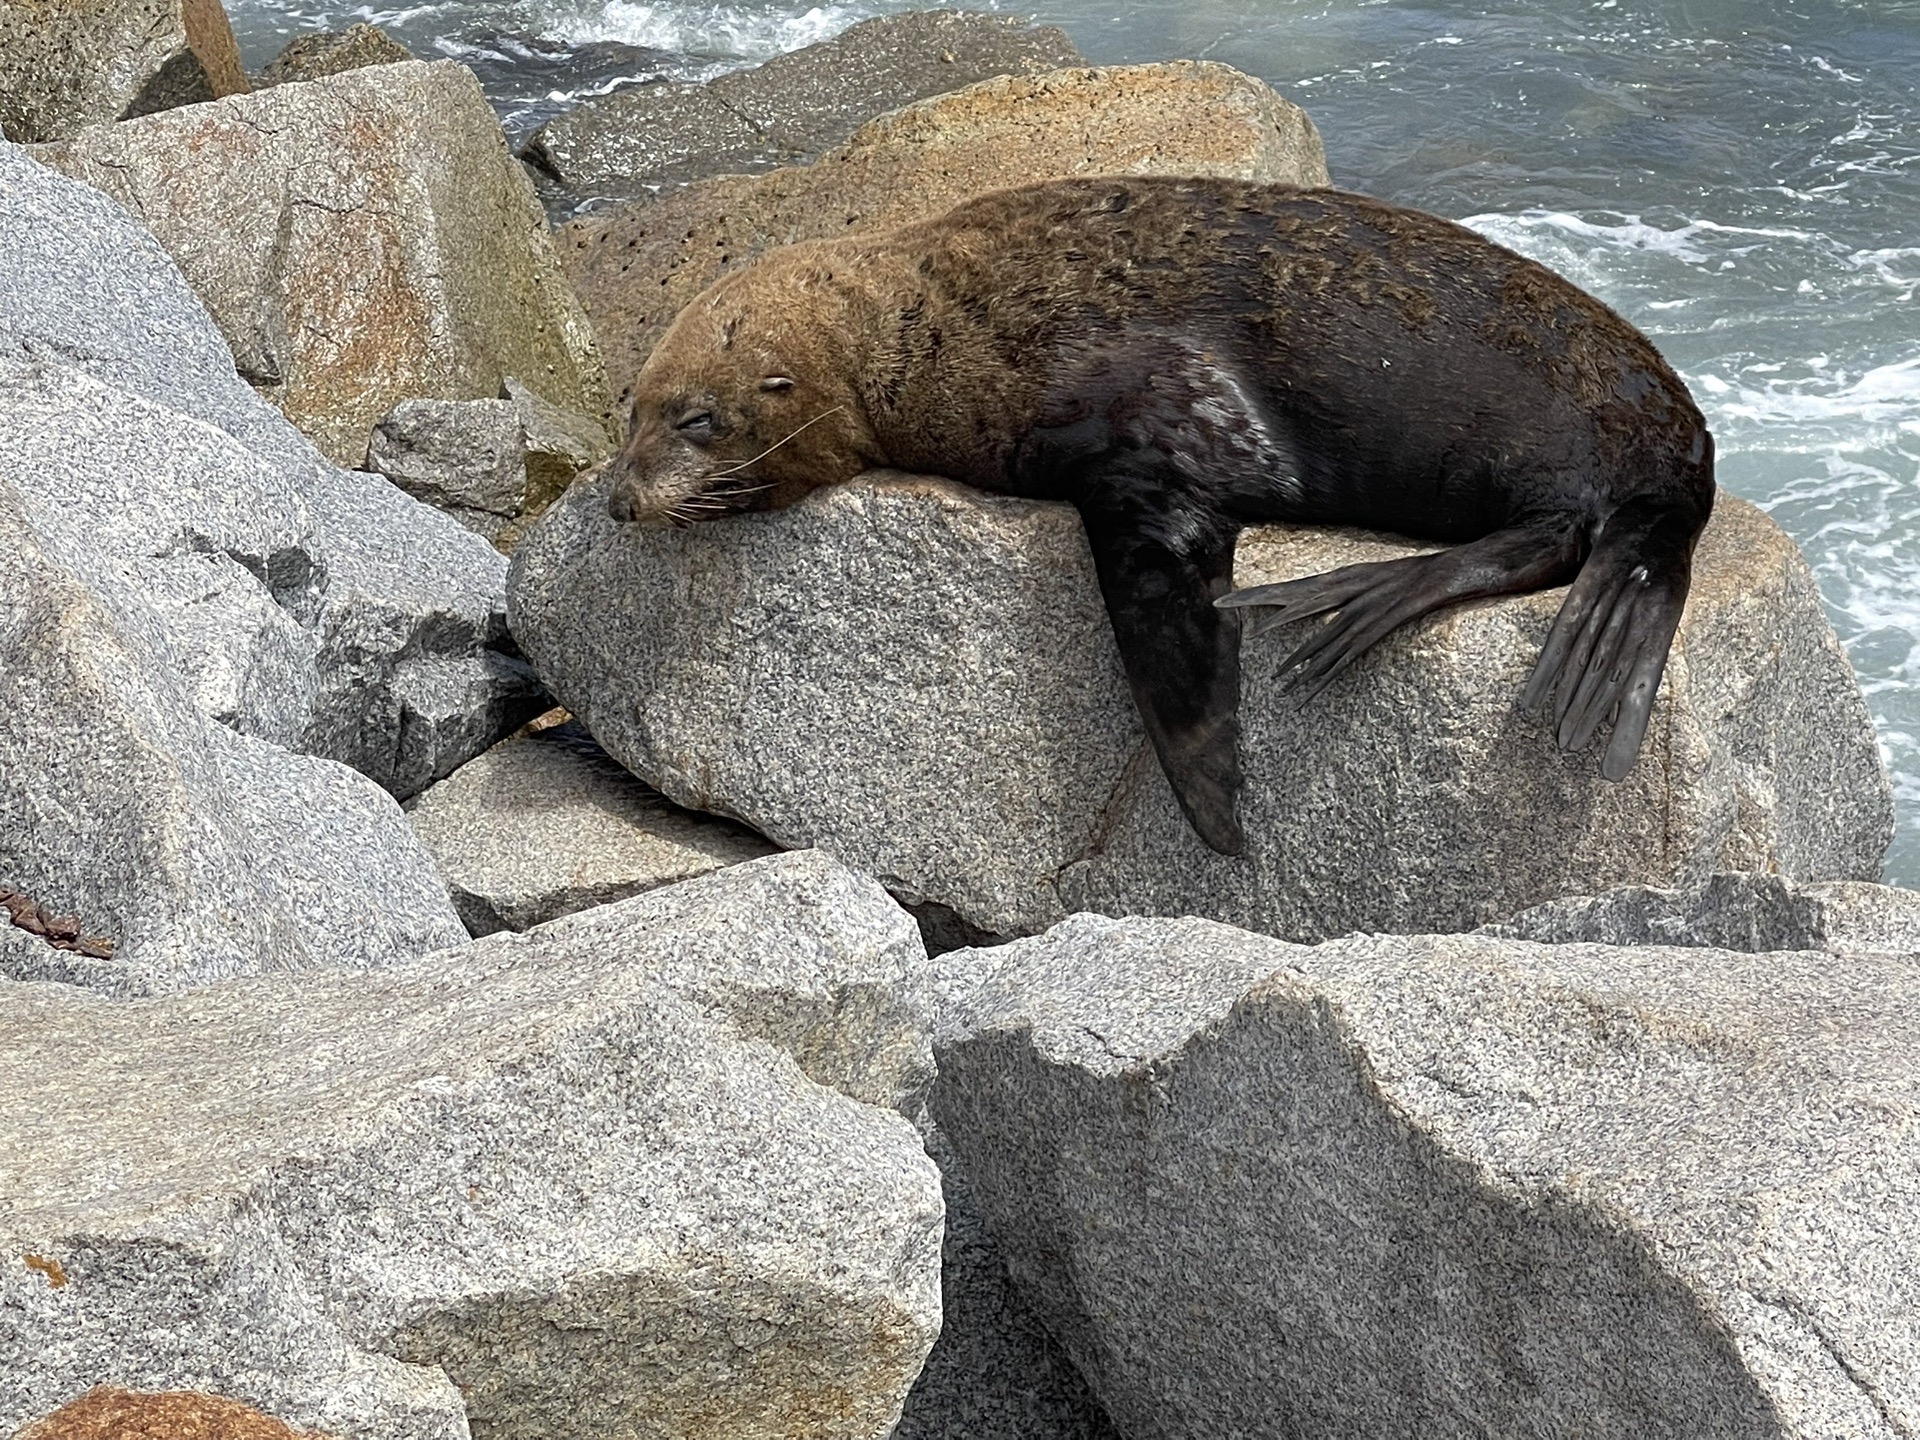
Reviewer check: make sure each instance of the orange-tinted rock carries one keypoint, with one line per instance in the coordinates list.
(67, 64)
(106, 1413)
(360, 240)
(634, 268)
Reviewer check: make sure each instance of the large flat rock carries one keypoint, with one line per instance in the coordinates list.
(636, 267)
(360, 239)
(1449, 1186)
(922, 679)
(545, 824)
(67, 64)
(636, 1174)
(318, 609)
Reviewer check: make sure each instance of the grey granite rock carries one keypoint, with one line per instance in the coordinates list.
(331, 52)
(795, 105)
(994, 1373)
(560, 443)
(466, 457)
(494, 465)
(969, 737)
(322, 610)
(582, 1175)
(817, 96)
(200, 853)
(658, 133)
(360, 240)
(547, 823)
(66, 65)
(1449, 1186)
(1731, 912)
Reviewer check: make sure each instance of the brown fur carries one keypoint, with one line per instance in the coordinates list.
(1181, 358)
(931, 347)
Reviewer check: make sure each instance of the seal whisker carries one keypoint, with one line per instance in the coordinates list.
(735, 469)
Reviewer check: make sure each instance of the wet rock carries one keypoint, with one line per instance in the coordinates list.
(322, 611)
(1449, 1186)
(68, 64)
(659, 133)
(360, 240)
(107, 1413)
(1731, 912)
(818, 96)
(583, 1175)
(547, 823)
(332, 52)
(970, 739)
(636, 267)
(186, 852)
(795, 105)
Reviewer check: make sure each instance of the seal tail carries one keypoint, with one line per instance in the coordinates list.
(1608, 647)
(1369, 602)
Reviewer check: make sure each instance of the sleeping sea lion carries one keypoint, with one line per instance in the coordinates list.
(1179, 358)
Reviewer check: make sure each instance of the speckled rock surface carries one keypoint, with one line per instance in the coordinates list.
(332, 52)
(321, 610)
(1732, 912)
(1452, 1186)
(198, 852)
(795, 105)
(360, 240)
(546, 824)
(494, 465)
(110, 1414)
(466, 457)
(612, 1178)
(636, 267)
(994, 1373)
(970, 739)
(67, 64)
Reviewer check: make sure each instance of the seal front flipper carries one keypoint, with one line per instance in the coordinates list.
(1608, 647)
(1369, 602)
(1160, 570)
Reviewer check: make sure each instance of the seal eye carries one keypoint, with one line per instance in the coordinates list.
(696, 425)
(777, 382)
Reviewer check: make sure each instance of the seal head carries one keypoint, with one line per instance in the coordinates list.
(743, 405)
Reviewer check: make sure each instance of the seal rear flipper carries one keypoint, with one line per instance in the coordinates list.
(1608, 647)
(1371, 601)
(1182, 656)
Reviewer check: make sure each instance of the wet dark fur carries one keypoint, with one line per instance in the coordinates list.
(1181, 358)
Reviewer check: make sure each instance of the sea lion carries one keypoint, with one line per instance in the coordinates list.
(1179, 358)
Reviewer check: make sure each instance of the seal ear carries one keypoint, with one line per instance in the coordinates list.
(777, 382)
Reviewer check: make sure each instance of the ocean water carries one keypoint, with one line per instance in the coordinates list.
(1740, 178)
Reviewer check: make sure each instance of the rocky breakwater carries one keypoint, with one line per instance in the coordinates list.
(643, 1172)
(637, 266)
(922, 679)
(205, 625)
(361, 240)
(1449, 1186)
